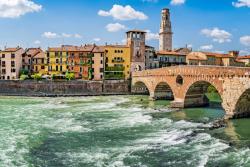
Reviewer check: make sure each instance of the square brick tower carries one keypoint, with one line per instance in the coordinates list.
(136, 41)
(165, 31)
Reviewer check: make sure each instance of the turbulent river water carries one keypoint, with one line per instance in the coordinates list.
(116, 131)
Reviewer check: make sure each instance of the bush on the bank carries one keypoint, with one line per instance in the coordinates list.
(70, 76)
(248, 65)
(24, 77)
(37, 77)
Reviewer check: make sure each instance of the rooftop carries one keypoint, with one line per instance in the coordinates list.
(11, 49)
(244, 57)
(162, 53)
(136, 30)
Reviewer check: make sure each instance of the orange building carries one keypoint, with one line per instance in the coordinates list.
(80, 61)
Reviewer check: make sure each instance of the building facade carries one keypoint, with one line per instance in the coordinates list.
(166, 34)
(98, 63)
(11, 63)
(80, 61)
(245, 60)
(117, 62)
(38, 63)
(56, 61)
(151, 60)
(216, 59)
(170, 58)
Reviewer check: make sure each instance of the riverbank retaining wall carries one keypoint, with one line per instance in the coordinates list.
(63, 88)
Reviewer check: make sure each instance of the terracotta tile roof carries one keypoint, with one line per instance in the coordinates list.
(11, 49)
(99, 49)
(162, 53)
(39, 55)
(244, 57)
(33, 51)
(116, 46)
(71, 48)
(218, 55)
(197, 56)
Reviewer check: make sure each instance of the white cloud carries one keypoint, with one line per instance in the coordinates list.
(50, 35)
(206, 47)
(151, 36)
(77, 36)
(97, 39)
(245, 40)
(114, 27)
(37, 42)
(244, 52)
(220, 36)
(177, 2)
(119, 12)
(66, 35)
(17, 8)
(241, 3)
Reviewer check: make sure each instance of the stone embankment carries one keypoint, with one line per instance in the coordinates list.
(63, 88)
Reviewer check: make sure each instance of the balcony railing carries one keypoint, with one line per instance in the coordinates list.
(114, 68)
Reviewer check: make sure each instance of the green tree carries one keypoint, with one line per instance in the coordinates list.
(24, 72)
(248, 65)
(37, 77)
(70, 76)
(23, 77)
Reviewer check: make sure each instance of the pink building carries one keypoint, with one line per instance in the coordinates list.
(11, 63)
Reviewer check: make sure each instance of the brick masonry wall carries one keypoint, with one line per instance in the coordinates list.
(63, 88)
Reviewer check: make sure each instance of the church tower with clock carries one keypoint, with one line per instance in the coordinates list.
(136, 40)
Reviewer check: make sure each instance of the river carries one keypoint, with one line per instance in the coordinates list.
(116, 131)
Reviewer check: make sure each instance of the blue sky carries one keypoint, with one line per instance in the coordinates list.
(210, 25)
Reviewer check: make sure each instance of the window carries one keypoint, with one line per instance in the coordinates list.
(57, 61)
(13, 70)
(80, 69)
(3, 71)
(42, 67)
(3, 55)
(56, 68)
(101, 69)
(12, 56)
(8, 77)
(56, 54)
(48, 60)
(47, 54)
(101, 62)
(12, 63)
(60, 68)
(42, 61)
(36, 68)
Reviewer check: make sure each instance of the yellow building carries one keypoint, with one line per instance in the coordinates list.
(117, 62)
(56, 61)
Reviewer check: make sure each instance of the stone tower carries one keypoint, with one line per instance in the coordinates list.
(136, 41)
(165, 31)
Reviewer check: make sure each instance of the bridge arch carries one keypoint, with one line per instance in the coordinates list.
(163, 91)
(195, 93)
(242, 108)
(141, 88)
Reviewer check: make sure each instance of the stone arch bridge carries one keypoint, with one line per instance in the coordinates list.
(188, 85)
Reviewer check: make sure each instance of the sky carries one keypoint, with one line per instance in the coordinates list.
(204, 25)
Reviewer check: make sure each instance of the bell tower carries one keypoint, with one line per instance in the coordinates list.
(166, 33)
(136, 40)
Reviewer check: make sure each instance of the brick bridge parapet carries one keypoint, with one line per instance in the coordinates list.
(230, 82)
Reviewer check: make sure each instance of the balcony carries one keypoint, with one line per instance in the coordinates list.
(118, 61)
(115, 69)
(114, 75)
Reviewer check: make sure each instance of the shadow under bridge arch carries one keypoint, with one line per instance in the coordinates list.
(140, 88)
(163, 92)
(202, 93)
(242, 108)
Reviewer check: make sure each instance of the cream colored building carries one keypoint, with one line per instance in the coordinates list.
(216, 59)
(11, 63)
(98, 63)
(245, 60)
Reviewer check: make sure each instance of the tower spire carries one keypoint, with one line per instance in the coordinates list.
(165, 31)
